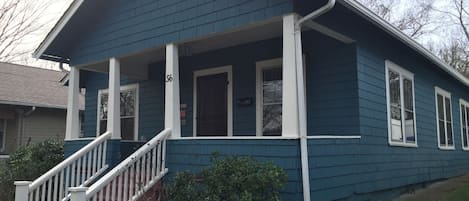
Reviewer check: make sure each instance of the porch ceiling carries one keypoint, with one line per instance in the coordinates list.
(136, 65)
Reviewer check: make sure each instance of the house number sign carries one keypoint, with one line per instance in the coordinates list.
(169, 78)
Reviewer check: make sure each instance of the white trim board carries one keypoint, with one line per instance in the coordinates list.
(445, 94)
(137, 102)
(212, 71)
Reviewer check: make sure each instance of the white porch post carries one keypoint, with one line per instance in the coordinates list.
(290, 123)
(114, 120)
(72, 130)
(172, 103)
(22, 190)
(78, 193)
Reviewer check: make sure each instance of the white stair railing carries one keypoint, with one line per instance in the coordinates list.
(134, 176)
(78, 170)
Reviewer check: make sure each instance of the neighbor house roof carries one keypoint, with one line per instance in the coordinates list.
(353, 5)
(30, 86)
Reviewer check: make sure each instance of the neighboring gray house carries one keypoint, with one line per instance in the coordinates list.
(33, 106)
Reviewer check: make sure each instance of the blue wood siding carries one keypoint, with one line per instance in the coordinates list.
(193, 155)
(347, 169)
(130, 26)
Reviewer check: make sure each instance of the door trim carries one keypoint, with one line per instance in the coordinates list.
(212, 71)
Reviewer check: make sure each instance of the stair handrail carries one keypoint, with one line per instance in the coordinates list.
(80, 153)
(159, 141)
(71, 172)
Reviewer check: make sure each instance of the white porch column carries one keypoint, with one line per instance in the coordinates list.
(114, 120)
(72, 129)
(22, 190)
(290, 123)
(78, 193)
(172, 103)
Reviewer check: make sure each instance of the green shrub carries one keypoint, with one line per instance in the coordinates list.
(28, 163)
(230, 179)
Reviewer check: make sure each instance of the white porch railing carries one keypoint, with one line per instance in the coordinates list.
(129, 180)
(78, 170)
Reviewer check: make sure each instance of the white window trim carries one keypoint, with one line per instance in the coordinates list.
(4, 135)
(466, 104)
(445, 94)
(137, 103)
(212, 71)
(262, 65)
(407, 74)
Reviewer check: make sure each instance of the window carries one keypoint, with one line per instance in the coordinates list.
(444, 119)
(464, 124)
(401, 109)
(3, 129)
(269, 98)
(128, 110)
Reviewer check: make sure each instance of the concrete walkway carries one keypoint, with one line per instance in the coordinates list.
(437, 191)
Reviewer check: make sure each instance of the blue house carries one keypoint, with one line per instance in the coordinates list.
(348, 105)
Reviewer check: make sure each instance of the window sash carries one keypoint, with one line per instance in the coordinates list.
(268, 79)
(464, 109)
(444, 119)
(103, 104)
(401, 107)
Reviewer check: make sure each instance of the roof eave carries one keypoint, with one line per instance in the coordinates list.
(387, 27)
(51, 36)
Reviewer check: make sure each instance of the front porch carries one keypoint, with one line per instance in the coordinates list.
(234, 93)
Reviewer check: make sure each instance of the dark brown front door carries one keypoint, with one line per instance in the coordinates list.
(212, 104)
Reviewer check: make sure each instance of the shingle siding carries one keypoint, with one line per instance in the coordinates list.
(130, 26)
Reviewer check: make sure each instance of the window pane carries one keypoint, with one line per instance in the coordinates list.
(127, 128)
(128, 103)
(396, 131)
(463, 116)
(394, 89)
(103, 107)
(408, 95)
(272, 101)
(449, 133)
(409, 127)
(467, 117)
(272, 120)
(448, 109)
(441, 114)
(102, 126)
(464, 136)
(441, 125)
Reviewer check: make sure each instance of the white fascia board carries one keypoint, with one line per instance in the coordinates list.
(387, 27)
(57, 28)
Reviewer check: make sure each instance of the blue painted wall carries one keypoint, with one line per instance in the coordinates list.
(193, 155)
(122, 27)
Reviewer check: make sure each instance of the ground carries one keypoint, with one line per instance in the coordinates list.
(455, 189)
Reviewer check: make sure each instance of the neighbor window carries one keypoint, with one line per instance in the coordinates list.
(444, 119)
(3, 128)
(464, 124)
(128, 111)
(401, 109)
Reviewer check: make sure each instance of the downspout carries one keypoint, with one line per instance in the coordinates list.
(302, 95)
(26, 114)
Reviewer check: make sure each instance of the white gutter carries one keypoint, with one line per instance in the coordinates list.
(302, 96)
